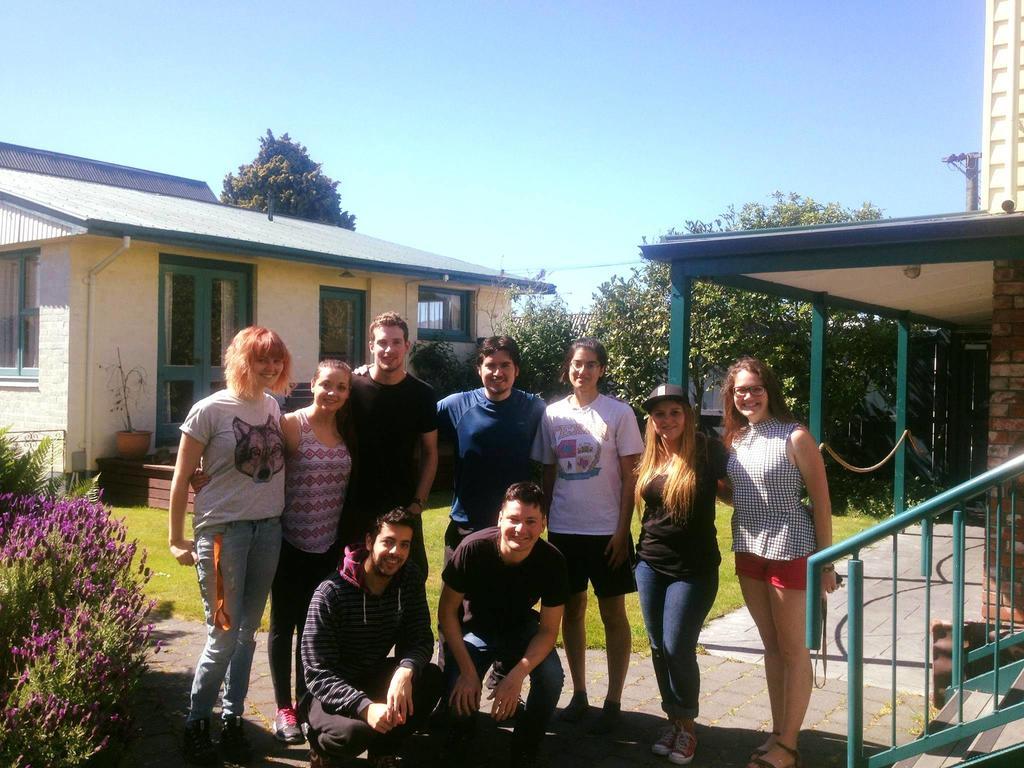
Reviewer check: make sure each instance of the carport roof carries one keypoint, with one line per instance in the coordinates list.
(861, 265)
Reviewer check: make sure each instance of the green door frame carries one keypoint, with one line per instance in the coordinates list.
(358, 299)
(200, 372)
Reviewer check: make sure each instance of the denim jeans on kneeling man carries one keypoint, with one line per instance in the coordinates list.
(506, 650)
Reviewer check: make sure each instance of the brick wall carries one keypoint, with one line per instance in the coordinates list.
(1006, 429)
(28, 405)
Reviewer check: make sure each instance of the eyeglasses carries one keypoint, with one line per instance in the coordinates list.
(590, 365)
(742, 391)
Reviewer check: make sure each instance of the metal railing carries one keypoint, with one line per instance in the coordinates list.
(997, 491)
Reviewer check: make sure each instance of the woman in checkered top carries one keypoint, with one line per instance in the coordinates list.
(772, 461)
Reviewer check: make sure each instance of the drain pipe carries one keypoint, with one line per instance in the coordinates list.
(90, 281)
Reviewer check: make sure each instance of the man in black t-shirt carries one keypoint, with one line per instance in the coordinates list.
(394, 416)
(498, 575)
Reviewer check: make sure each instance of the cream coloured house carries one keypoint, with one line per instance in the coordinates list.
(96, 257)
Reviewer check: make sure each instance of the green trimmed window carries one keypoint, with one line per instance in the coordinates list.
(442, 314)
(19, 314)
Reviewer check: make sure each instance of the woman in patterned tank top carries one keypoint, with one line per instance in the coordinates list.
(772, 459)
(317, 473)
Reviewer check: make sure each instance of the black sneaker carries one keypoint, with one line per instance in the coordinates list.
(233, 742)
(198, 747)
(456, 748)
(525, 758)
(577, 709)
(607, 720)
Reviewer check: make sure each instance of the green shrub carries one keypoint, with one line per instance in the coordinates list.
(73, 631)
(28, 471)
(438, 365)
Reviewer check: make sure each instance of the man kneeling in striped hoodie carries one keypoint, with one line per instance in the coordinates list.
(360, 698)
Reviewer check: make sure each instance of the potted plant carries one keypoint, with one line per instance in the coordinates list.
(126, 386)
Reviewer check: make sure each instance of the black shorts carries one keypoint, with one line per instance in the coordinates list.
(586, 561)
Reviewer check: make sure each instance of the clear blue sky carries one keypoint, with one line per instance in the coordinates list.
(528, 135)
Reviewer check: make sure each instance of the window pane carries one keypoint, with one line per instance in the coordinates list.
(440, 311)
(8, 313)
(31, 283)
(179, 318)
(30, 354)
(338, 333)
(179, 396)
(223, 314)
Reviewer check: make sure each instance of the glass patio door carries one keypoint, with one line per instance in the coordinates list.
(201, 309)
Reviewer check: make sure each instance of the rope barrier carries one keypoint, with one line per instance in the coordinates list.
(864, 470)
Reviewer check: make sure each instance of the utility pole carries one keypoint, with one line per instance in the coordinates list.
(969, 164)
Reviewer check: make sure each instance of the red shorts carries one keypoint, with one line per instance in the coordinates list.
(784, 574)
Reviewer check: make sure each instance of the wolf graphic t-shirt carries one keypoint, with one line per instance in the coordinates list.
(243, 455)
(585, 444)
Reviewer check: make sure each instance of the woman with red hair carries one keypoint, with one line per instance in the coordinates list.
(235, 434)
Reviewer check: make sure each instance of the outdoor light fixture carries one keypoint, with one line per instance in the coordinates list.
(912, 271)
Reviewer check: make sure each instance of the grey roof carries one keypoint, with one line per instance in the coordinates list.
(70, 167)
(115, 211)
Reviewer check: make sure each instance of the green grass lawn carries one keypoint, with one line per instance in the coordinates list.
(176, 593)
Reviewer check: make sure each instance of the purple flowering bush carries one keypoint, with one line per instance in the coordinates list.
(73, 630)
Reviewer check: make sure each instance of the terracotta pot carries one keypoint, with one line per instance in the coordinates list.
(133, 445)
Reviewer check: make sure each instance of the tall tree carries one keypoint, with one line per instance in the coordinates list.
(632, 317)
(284, 173)
(543, 328)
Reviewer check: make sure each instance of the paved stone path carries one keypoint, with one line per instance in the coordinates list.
(734, 699)
(735, 636)
(734, 707)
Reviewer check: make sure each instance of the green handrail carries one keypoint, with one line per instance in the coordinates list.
(927, 510)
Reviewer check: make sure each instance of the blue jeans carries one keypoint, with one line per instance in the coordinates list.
(505, 651)
(674, 610)
(248, 560)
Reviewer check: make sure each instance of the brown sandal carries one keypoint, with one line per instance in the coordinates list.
(764, 750)
(760, 762)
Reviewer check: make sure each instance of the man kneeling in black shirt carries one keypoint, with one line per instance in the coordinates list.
(498, 575)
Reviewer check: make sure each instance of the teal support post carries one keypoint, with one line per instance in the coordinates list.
(899, 481)
(855, 663)
(679, 330)
(819, 323)
(958, 610)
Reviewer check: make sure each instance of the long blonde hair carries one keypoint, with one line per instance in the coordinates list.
(677, 463)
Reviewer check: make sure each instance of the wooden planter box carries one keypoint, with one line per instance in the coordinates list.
(129, 483)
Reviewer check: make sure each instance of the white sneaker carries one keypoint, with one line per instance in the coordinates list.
(684, 748)
(665, 741)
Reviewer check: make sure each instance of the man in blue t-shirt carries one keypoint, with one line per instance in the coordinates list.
(493, 429)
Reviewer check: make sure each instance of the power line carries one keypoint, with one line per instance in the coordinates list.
(576, 267)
